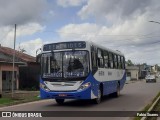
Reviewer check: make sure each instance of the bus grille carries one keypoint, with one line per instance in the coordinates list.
(68, 83)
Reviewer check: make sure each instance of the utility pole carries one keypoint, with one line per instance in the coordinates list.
(13, 73)
(154, 21)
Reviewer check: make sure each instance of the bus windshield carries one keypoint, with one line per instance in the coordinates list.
(66, 64)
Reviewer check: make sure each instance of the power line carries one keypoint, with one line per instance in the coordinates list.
(131, 39)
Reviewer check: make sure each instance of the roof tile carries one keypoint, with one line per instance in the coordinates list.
(24, 57)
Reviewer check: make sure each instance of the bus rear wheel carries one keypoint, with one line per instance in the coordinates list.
(117, 93)
(60, 101)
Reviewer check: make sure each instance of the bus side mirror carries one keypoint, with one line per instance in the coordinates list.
(38, 58)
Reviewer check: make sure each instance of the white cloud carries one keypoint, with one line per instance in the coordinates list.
(21, 11)
(51, 13)
(7, 33)
(31, 46)
(29, 29)
(130, 37)
(68, 3)
(78, 31)
(124, 26)
(117, 24)
(115, 8)
(129, 32)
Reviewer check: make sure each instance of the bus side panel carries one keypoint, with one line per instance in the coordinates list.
(94, 85)
(109, 87)
(110, 79)
(122, 82)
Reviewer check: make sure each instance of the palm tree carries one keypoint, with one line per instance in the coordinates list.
(22, 50)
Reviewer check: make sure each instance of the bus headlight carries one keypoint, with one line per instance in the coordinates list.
(84, 86)
(44, 87)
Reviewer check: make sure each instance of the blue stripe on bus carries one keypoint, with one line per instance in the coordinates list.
(111, 86)
(108, 87)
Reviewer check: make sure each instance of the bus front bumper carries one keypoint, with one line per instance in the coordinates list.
(84, 94)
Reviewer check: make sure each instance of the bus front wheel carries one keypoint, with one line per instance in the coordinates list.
(60, 101)
(99, 96)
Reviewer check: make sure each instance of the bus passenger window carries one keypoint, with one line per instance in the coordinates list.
(110, 60)
(115, 61)
(111, 63)
(94, 59)
(93, 56)
(119, 62)
(106, 62)
(123, 62)
(100, 59)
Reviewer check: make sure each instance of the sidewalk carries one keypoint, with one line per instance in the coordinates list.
(133, 81)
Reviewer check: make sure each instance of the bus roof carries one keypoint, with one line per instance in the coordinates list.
(91, 43)
(105, 48)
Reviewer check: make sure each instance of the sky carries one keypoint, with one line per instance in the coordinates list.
(116, 24)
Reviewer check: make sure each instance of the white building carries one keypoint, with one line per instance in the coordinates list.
(132, 72)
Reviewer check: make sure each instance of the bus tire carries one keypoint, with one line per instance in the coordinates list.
(117, 93)
(60, 101)
(98, 99)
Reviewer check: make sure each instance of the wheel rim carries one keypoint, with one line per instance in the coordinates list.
(99, 96)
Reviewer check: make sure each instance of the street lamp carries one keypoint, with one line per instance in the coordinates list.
(154, 22)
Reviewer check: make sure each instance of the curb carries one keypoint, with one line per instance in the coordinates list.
(155, 102)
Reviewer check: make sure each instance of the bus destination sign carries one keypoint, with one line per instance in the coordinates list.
(64, 45)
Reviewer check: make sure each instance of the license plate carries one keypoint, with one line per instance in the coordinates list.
(62, 95)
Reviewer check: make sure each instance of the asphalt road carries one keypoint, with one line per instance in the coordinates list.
(134, 97)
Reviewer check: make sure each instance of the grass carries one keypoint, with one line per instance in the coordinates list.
(5, 100)
(156, 108)
(12, 101)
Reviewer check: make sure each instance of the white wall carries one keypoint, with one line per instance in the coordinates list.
(134, 74)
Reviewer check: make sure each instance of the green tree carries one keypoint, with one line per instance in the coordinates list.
(129, 63)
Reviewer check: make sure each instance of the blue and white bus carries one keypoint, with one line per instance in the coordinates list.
(80, 70)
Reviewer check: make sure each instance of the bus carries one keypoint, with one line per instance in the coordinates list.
(80, 70)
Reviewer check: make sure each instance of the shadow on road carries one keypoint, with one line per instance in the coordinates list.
(82, 103)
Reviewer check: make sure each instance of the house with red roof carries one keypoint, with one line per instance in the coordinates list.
(26, 70)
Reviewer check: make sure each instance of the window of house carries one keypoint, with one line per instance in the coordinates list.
(3, 75)
(129, 74)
